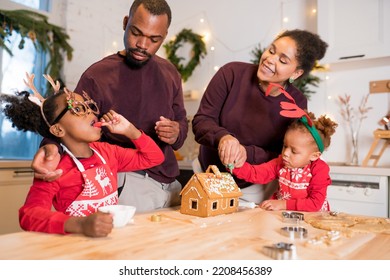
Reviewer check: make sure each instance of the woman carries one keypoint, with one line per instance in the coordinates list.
(236, 122)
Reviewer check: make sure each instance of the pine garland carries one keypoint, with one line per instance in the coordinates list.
(198, 52)
(47, 37)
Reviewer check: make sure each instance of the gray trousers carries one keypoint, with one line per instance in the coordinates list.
(145, 193)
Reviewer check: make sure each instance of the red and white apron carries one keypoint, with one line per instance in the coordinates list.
(99, 188)
(293, 182)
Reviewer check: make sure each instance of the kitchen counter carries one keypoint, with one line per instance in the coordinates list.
(10, 164)
(241, 236)
(361, 170)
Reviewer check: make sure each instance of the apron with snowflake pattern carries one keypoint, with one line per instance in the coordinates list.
(293, 182)
(99, 188)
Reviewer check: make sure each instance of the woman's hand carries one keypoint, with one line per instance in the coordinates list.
(231, 151)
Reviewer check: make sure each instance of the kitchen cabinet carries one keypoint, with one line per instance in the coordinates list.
(15, 181)
(354, 29)
(360, 190)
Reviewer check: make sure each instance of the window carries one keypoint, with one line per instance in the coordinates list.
(194, 204)
(232, 202)
(42, 5)
(15, 144)
(215, 205)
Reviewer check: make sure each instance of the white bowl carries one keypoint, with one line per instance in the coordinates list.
(122, 214)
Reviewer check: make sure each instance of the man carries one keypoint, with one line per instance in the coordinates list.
(145, 89)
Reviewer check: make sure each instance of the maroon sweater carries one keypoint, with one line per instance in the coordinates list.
(234, 104)
(142, 96)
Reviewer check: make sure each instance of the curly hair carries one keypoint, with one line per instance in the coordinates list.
(325, 126)
(310, 48)
(26, 115)
(155, 7)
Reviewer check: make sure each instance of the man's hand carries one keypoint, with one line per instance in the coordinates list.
(45, 163)
(167, 130)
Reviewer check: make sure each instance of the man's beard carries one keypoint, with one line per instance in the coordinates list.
(133, 63)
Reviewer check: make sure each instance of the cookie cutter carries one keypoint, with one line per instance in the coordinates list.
(292, 217)
(280, 251)
(294, 232)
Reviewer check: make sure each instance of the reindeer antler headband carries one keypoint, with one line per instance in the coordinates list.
(36, 97)
(78, 108)
(291, 110)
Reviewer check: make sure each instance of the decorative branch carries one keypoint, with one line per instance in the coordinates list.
(47, 37)
(353, 117)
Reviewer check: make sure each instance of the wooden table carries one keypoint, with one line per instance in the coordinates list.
(239, 236)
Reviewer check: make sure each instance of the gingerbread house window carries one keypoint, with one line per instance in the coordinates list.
(194, 204)
(232, 202)
(215, 205)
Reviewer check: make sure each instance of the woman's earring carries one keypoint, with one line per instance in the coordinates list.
(291, 80)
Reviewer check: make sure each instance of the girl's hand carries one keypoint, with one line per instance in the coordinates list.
(95, 225)
(118, 124)
(273, 205)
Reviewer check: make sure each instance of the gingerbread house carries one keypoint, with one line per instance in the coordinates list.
(209, 194)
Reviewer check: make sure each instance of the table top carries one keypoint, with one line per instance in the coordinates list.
(238, 236)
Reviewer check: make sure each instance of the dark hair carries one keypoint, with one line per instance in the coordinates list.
(310, 48)
(25, 115)
(324, 125)
(155, 7)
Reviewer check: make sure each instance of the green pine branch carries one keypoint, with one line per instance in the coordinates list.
(49, 38)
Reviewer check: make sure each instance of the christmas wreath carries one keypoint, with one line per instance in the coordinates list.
(198, 52)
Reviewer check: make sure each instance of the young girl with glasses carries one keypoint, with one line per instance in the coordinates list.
(90, 168)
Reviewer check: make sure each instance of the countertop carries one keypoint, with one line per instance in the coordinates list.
(9, 164)
(361, 170)
(241, 236)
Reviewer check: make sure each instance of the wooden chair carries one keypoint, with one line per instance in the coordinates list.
(379, 135)
(382, 86)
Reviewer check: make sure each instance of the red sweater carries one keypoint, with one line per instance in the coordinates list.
(37, 215)
(305, 192)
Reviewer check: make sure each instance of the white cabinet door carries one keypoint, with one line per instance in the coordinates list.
(354, 29)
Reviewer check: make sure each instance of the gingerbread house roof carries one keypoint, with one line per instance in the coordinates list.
(214, 186)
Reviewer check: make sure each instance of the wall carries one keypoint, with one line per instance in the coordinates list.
(235, 28)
